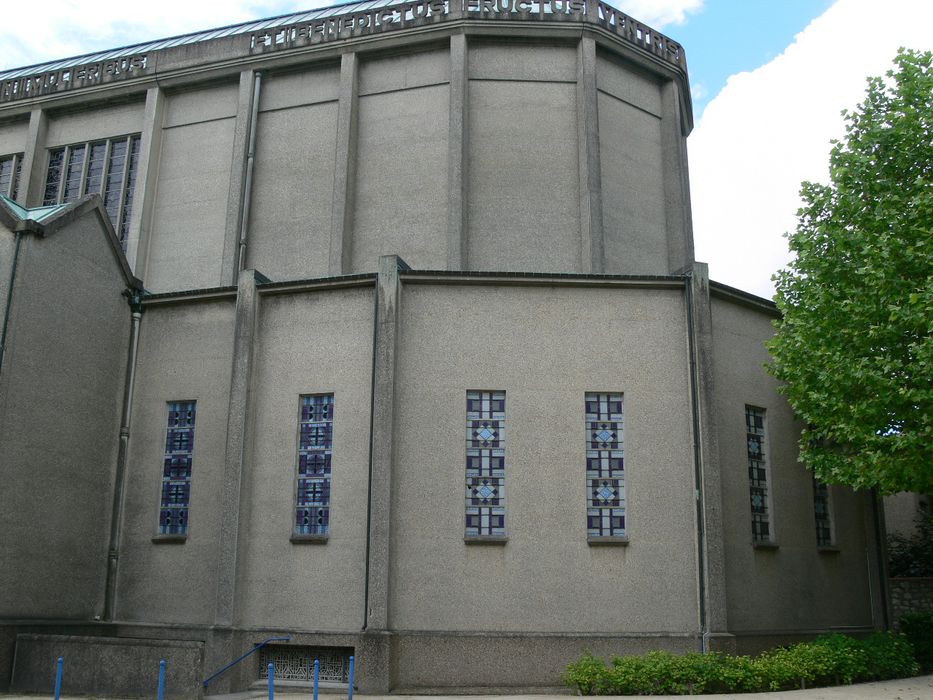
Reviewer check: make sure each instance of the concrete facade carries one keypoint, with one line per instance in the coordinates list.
(394, 207)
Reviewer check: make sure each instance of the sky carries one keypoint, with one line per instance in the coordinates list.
(769, 79)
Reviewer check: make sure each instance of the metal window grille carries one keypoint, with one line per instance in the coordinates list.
(106, 167)
(605, 475)
(294, 663)
(176, 468)
(822, 513)
(315, 451)
(485, 463)
(10, 169)
(758, 474)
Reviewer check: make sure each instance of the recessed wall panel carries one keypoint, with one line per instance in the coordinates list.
(634, 224)
(293, 184)
(401, 178)
(189, 215)
(524, 202)
(92, 124)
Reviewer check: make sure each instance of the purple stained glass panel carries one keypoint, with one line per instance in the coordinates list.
(605, 465)
(485, 464)
(315, 452)
(176, 470)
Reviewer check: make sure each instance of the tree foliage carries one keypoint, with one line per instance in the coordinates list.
(855, 343)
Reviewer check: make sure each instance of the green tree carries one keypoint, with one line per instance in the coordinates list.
(855, 344)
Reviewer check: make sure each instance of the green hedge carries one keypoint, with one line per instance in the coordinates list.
(829, 660)
(918, 628)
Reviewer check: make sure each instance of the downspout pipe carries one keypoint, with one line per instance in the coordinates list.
(119, 483)
(697, 464)
(248, 184)
(9, 297)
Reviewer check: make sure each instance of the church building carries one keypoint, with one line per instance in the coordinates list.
(377, 331)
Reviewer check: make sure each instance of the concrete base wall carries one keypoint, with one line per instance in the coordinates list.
(107, 665)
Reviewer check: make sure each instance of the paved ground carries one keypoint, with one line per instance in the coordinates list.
(920, 688)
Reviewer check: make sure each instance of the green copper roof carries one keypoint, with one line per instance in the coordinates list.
(37, 214)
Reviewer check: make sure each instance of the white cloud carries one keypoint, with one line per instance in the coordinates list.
(659, 13)
(769, 129)
(33, 32)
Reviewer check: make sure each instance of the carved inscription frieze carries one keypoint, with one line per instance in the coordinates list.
(405, 15)
(77, 76)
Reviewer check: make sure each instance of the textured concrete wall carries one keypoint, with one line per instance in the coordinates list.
(59, 419)
(524, 201)
(7, 248)
(13, 137)
(540, 345)
(107, 666)
(792, 586)
(401, 169)
(634, 222)
(185, 353)
(900, 512)
(189, 215)
(293, 177)
(302, 585)
(101, 122)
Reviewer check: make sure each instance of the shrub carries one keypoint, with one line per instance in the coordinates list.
(828, 660)
(918, 628)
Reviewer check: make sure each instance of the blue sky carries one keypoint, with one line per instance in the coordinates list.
(769, 78)
(730, 36)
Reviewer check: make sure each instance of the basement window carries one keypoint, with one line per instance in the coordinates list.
(295, 664)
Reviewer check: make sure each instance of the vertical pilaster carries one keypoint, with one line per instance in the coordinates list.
(382, 448)
(230, 266)
(244, 334)
(341, 226)
(710, 540)
(591, 190)
(32, 177)
(458, 155)
(676, 179)
(147, 175)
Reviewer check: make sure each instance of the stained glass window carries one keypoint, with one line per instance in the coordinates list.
(10, 169)
(485, 464)
(757, 474)
(107, 168)
(822, 514)
(176, 471)
(315, 449)
(605, 468)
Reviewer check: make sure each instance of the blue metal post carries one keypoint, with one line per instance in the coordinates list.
(162, 679)
(58, 677)
(317, 673)
(271, 681)
(350, 687)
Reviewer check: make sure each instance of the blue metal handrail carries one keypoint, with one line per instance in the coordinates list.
(233, 663)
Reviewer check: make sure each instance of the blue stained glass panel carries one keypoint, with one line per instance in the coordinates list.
(315, 451)
(605, 465)
(176, 471)
(757, 473)
(485, 464)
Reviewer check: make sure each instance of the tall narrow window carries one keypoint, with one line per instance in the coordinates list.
(10, 169)
(107, 168)
(605, 472)
(315, 448)
(176, 473)
(485, 464)
(823, 514)
(758, 474)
